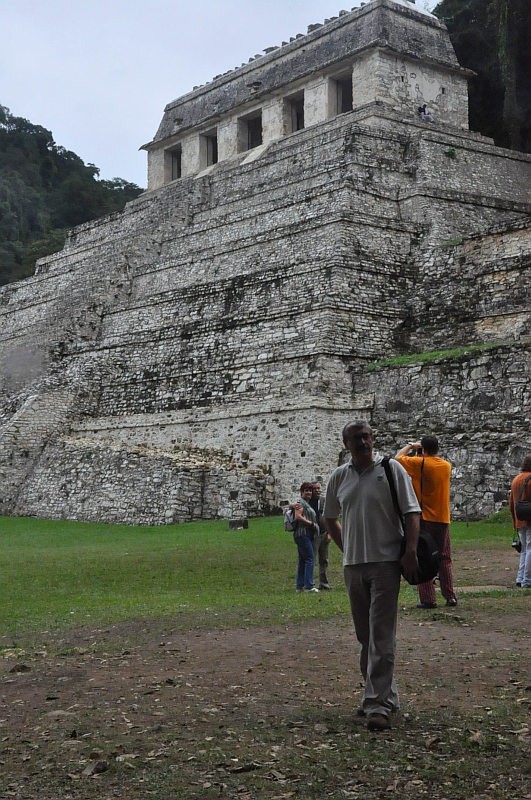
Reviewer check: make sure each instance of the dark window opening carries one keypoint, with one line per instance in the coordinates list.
(295, 112)
(211, 149)
(344, 95)
(254, 132)
(297, 115)
(176, 164)
(250, 131)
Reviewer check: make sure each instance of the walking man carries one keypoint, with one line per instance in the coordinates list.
(370, 537)
(431, 480)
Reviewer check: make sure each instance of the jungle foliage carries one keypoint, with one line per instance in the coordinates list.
(491, 37)
(44, 190)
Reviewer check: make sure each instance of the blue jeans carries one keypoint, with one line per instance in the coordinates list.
(306, 561)
(524, 566)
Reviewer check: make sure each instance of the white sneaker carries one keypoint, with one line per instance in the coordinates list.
(313, 589)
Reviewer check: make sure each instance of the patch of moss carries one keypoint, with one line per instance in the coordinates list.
(432, 355)
(451, 243)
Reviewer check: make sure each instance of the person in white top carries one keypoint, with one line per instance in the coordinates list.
(371, 538)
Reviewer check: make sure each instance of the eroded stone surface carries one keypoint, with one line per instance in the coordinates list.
(198, 354)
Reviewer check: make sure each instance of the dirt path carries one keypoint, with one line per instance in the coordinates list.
(139, 710)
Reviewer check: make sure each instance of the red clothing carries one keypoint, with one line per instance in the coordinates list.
(516, 490)
(434, 494)
(441, 534)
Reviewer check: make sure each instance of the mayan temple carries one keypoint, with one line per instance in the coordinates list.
(304, 227)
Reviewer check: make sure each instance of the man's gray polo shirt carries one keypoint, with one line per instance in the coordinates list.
(371, 527)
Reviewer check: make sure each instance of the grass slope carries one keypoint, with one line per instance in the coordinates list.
(61, 574)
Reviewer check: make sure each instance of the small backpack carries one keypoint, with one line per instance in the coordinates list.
(290, 523)
(522, 507)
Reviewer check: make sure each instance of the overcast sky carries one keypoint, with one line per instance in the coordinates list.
(98, 73)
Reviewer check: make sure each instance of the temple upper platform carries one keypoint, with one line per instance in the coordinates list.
(387, 52)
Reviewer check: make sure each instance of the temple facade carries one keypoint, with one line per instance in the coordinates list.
(310, 249)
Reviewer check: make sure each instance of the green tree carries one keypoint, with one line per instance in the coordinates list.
(492, 37)
(44, 190)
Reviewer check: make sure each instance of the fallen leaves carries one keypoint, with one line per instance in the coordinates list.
(250, 767)
(127, 757)
(95, 768)
(432, 742)
(205, 727)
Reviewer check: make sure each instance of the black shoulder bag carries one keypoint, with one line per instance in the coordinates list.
(522, 507)
(428, 554)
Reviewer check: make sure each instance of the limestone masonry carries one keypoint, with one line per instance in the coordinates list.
(198, 354)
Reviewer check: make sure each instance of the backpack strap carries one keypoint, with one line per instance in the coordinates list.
(392, 488)
(523, 490)
(421, 481)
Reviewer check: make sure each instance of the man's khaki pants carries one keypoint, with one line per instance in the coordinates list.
(373, 593)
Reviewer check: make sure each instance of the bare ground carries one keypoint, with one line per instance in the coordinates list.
(140, 710)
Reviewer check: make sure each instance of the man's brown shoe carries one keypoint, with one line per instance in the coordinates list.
(378, 722)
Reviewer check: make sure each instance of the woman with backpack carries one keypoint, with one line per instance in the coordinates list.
(306, 528)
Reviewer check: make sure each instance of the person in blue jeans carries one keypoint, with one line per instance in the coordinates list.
(521, 490)
(303, 536)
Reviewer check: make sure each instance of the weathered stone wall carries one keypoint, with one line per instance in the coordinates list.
(471, 167)
(238, 310)
(289, 440)
(80, 478)
(404, 84)
(478, 405)
(484, 294)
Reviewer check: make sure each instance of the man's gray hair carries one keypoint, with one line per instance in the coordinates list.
(356, 423)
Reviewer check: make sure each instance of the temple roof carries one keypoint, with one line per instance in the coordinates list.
(396, 25)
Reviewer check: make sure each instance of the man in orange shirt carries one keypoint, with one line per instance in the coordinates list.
(521, 490)
(431, 482)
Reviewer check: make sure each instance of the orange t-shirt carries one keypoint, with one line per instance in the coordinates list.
(516, 490)
(435, 496)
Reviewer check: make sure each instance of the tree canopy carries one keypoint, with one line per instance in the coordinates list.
(44, 190)
(491, 37)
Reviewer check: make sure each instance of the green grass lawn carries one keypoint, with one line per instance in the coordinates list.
(177, 718)
(61, 574)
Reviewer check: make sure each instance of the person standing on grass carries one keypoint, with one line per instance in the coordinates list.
(370, 537)
(431, 481)
(521, 490)
(305, 531)
(321, 542)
